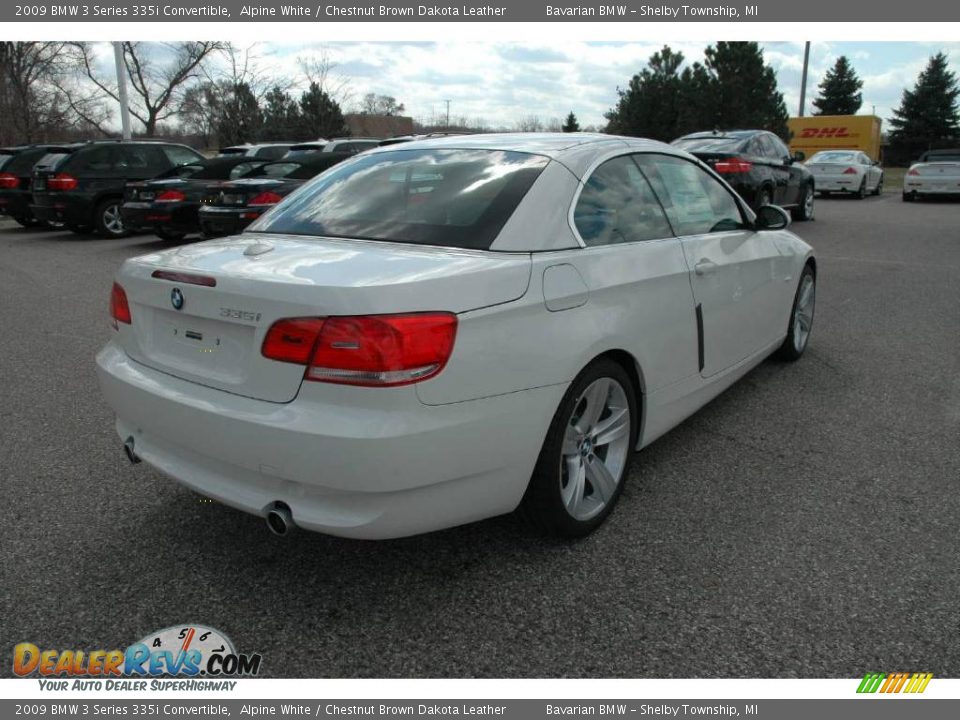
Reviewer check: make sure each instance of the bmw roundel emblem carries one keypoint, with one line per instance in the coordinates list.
(176, 299)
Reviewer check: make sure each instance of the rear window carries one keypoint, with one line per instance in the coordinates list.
(278, 170)
(22, 163)
(52, 160)
(454, 198)
(840, 157)
(709, 144)
(4, 159)
(940, 157)
(233, 151)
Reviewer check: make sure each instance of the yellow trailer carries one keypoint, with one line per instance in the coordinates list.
(814, 133)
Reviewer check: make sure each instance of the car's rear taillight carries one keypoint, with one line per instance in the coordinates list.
(367, 350)
(264, 198)
(292, 340)
(9, 181)
(850, 171)
(733, 165)
(913, 171)
(171, 196)
(119, 307)
(62, 181)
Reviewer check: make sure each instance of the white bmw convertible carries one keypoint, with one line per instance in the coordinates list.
(446, 330)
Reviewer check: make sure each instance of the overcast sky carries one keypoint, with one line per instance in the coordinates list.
(503, 82)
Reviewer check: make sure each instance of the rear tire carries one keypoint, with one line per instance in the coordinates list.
(862, 192)
(909, 197)
(804, 211)
(801, 317)
(582, 466)
(108, 221)
(79, 229)
(879, 188)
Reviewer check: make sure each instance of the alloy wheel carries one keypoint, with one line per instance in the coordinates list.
(596, 446)
(112, 220)
(803, 316)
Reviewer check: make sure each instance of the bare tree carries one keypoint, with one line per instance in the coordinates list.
(319, 69)
(158, 73)
(34, 106)
(529, 123)
(373, 104)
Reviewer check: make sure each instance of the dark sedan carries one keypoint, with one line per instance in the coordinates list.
(169, 205)
(238, 203)
(758, 166)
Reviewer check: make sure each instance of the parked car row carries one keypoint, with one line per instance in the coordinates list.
(112, 187)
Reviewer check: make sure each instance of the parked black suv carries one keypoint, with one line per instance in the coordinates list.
(82, 186)
(758, 166)
(16, 176)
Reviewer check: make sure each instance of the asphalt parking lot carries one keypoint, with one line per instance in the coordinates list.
(804, 524)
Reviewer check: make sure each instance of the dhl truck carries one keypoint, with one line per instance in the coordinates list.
(814, 133)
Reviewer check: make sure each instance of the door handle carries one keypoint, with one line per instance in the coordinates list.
(704, 267)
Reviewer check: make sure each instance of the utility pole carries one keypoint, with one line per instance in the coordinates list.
(448, 113)
(803, 81)
(122, 87)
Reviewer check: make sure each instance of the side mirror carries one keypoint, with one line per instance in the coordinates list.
(772, 217)
(799, 156)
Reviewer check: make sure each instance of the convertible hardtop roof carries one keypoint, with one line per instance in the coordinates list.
(552, 145)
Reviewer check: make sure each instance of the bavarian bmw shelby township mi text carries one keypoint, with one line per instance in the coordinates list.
(446, 330)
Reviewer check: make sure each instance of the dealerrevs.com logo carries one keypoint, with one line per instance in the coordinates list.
(909, 683)
(180, 651)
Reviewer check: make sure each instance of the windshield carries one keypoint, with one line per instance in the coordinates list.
(834, 157)
(455, 198)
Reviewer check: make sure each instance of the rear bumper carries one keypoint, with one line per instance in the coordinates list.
(150, 216)
(362, 472)
(60, 207)
(218, 222)
(928, 187)
(16, 204)
(829, 184)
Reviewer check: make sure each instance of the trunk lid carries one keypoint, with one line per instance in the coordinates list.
(215, 338)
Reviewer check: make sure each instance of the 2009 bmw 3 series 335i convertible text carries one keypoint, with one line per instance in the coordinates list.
(451, 329)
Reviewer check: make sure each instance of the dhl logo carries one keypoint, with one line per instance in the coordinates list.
(894, 682)
(824, 132)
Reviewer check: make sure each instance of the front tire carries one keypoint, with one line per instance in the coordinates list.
(108, 220)
(804, 211)
(801, 317)
(580, 472)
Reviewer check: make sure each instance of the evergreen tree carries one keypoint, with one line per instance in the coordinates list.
(698, 105)
(927, 115)
(650, 104)
(238, 117)
(745, 89)
(320, 115)
(839, 90)
(571, 124)
(281, 116)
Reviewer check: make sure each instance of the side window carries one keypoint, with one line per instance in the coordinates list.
(617, 205)
(768, 148)
(178, 155)
(100, 159)
(755, 147)
(781, 151)
(695, 201)
(142, 160)
(272, 152)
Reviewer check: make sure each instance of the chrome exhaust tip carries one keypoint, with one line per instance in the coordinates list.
(129, 451)
(279, 519)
